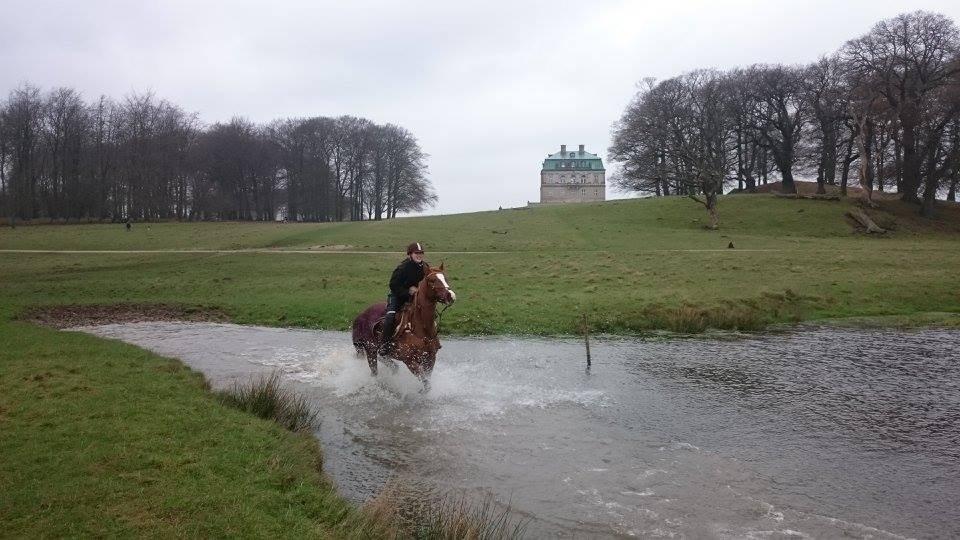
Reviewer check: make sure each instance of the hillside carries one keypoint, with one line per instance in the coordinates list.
(628, 265)
(753, 221)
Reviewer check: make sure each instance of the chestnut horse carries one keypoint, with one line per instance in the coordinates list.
(416, 342)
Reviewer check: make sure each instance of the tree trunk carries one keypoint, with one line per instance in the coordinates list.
(821, 188)
(862, 218)
(830, 163)
(898, 161)
(788, 185)
(911, 163)
(928, 205)
(845, 172)
(712, 211)
(866, 159)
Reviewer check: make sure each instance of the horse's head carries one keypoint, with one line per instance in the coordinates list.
(437, 288)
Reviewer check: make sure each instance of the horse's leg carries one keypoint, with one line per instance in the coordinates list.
(425, 370)
(428, 367)
(371, 350)
(387, 361)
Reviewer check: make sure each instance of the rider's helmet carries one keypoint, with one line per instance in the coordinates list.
(415, 247)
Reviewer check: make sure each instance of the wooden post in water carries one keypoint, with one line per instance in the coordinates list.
(585, 328)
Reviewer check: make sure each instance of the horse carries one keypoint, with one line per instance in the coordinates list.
(416, 340)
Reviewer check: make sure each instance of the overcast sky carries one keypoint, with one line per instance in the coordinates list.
(489, 88)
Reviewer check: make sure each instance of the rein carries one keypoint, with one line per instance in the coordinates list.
(439, 316)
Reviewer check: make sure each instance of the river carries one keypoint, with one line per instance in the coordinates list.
(812, 433)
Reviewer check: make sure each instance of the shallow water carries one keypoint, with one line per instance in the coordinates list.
(810, 434)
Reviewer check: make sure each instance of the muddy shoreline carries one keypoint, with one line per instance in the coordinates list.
(75, 315)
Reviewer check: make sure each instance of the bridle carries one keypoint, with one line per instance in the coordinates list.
(438, 316)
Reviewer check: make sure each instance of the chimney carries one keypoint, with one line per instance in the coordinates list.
(581, 150)
(563, 149)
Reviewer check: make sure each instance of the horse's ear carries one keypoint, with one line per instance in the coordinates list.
(441, 266)
(426, 267)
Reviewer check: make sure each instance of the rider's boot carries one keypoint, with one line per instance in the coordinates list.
(386, 338)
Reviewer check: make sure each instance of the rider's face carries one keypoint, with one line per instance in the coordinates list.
(417, 256)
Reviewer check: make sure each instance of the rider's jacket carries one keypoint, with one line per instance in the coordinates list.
(406, 275)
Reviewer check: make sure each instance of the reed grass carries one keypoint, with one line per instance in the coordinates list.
(413, 511)
(267, 398)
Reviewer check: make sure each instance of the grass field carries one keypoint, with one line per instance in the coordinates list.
(751, 221)
(628, 265)
(101, 439)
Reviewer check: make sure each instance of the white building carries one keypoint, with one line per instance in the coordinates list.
(572, 177)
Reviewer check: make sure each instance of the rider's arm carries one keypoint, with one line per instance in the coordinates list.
(397, 286)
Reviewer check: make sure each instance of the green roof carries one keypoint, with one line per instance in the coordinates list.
(574, 160)
(573, 154)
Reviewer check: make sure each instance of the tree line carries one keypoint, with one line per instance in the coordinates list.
(884, 109)
(143, 158)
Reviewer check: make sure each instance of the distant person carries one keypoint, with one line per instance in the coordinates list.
(128, 225)
(403, 285)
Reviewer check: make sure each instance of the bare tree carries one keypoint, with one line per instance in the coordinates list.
(145, 158)
(23, 121)
(824, 83)
(678, 135)
(909, 58)
(782, 109)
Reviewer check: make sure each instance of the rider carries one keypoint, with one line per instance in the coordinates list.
(403, 284)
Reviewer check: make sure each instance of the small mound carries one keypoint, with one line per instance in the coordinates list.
(810, 189)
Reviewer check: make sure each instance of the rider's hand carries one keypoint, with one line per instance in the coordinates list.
(413, 289)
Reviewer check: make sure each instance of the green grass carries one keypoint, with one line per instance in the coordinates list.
(104, 439)
(628, 265)
(101, 439)
(750, 221)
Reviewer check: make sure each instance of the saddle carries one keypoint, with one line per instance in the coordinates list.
(403, 323)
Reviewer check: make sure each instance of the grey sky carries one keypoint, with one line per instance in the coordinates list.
(489, 88)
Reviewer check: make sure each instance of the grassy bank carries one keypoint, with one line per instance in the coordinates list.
(104, 439)
(628, 265)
